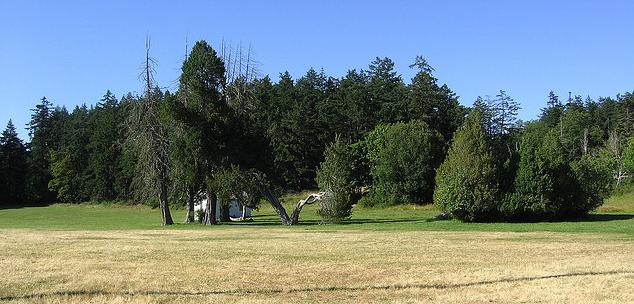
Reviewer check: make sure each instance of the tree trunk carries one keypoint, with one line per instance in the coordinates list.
(165, 208)
(189, 215)
(224, 212)
(275, 203)
(279, 208)
(210, 211)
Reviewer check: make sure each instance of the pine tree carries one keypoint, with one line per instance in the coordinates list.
(552, 113)
(281, 133)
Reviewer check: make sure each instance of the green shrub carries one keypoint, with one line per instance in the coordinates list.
(466, 184)
(335, 178)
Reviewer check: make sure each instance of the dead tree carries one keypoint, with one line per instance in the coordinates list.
(615, 147)
(149, 138)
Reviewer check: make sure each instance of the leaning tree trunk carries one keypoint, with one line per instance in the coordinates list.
(189, 215)
(164, 203)
(311, 199)
(210, 211)
(279, 208)
(275, 203)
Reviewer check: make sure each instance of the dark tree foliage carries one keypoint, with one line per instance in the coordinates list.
(432, 103)
(201, 117)
(258, 134)
(387, 92)
(104, 148)
(405, 159)
(72, 179)
(45, 129)
(13, 166)
(550, 183)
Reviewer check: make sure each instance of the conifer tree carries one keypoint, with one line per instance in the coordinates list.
(466, 184)
(13, 166)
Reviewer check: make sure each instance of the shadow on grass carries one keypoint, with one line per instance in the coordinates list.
(273, 220)
(20, 206)
(595, 217)
(307, 289)
(605, 217)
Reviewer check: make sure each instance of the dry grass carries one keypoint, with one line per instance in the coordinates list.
(284, 265)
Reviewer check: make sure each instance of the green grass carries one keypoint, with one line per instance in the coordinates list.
(615, 217)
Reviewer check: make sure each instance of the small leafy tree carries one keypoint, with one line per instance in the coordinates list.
(594, 178)
(405, 162)
(234, 184)
(466, 184)
(335, 178)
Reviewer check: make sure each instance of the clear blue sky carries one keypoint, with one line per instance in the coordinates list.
(73, 51)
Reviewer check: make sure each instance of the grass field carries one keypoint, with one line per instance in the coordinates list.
(115, 254)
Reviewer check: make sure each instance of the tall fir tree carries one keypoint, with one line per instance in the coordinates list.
(432, 103)
(387, 91)
(40, 132)
(104, 148)
(13, 167)
(201, 112)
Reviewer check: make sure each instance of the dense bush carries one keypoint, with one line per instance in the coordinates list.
(335, 178)
(551, 182)
(404, 162)
(466, 184)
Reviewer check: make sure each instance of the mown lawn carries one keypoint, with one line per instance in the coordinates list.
(615, 217)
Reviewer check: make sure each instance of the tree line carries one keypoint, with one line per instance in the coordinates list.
(367, 137)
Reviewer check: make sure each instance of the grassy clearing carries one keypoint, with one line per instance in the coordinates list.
(119, 254)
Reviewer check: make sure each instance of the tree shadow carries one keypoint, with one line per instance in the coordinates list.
(594, 217)
(4, 206)
(605, 217)
(273, 220)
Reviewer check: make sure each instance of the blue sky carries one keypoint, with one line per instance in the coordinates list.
(73, 51)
